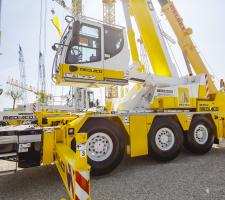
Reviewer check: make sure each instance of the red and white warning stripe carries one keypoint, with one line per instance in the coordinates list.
(207, 84)
(78, 183)
(34, 107)
(70, 179)
(82, 185)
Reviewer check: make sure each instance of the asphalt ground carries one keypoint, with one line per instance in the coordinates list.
(186, 178)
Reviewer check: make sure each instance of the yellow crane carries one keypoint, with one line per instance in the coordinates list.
(153, 119)
(94, 54)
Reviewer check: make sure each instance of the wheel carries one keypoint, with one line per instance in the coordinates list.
(106, 145)
(165, 139)
(200, 137)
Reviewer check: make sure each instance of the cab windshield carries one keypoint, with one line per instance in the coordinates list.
(85, 46)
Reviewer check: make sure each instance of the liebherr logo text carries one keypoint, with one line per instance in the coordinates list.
(91, 70)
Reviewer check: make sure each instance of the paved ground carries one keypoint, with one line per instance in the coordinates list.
(186, 178)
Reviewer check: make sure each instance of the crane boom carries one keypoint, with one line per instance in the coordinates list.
(184, 38)
(150, 35)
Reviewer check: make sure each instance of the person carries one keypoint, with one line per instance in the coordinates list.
(97, 103)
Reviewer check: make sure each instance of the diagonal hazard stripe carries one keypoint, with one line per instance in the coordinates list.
(77, 198)
(84, 184)
(70, 181)
(85, 174)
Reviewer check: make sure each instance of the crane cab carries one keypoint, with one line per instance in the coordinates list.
(92, 54)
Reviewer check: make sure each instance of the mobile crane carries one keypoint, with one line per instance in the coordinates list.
(156, 116)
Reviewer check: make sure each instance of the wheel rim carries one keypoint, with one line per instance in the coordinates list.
(100, 146)
(201, 134)
(165, 139)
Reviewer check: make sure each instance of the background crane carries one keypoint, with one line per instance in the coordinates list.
(42, 51)
(75, 9)
(109, 11)
(22, 75)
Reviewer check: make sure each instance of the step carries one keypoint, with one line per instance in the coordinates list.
(4, 155)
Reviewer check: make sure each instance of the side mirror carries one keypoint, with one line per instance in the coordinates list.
(1, 91)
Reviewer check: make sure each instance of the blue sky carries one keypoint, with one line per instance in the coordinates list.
(20, 25)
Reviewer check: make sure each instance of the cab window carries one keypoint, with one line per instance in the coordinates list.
(113, 41)
(85, 47)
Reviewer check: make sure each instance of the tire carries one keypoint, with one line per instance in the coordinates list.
(109, 138)
(200, 137)
(163, 148)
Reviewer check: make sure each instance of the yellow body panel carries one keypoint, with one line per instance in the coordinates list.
(221, 126)
(213, 106)
(172, 103)
(66, 157)
(86, 73)
(125, 121)
(60, 117)
(48, 146)
(15, 122)
(202, 92)
(76, 124)
(185, 120)
(113, 74)
(138, 136)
